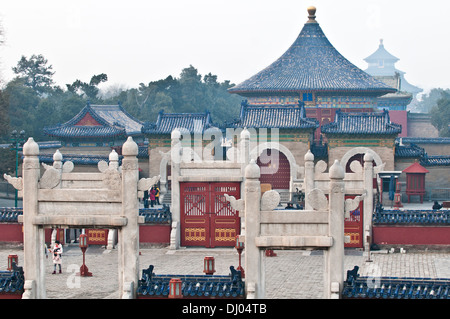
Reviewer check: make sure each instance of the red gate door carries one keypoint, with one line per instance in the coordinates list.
(225, 224)
(275, 169)
(353, 226)
(206, 217)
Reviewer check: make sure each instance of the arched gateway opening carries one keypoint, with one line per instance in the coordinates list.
(275, 169)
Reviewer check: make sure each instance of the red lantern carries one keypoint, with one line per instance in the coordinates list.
(12, 259)
(175, 288)
(209, 265)
(239, 245)
(84, 271)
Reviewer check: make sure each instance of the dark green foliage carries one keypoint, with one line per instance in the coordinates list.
(440, 114)
(30, 102)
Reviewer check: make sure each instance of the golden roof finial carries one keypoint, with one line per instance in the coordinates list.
(312, 14)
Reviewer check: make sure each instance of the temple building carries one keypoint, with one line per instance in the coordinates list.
(313, 72)
(90, 135)
(159, 142)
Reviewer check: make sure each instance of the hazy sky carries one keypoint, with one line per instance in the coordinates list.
(138, 41)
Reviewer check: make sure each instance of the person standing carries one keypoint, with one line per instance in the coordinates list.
(57, 251)
(157, 195)
(152, 195)
(146, 199)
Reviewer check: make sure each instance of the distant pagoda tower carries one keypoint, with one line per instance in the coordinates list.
(315, 74)
(382, 67)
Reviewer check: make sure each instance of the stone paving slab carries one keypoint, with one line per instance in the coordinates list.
(292, 274)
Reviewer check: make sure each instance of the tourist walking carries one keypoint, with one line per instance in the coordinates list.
(57, 251)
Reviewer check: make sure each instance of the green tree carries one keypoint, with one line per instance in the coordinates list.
(440, 114)
(22, 103)
(4, 117)
(429, 100)
(89, 90)
(35, 72)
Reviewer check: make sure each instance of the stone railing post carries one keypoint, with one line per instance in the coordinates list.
(309, 178)
(32, 239)
(254, 266)
(175, 159)
(334, 257)
(244, 152)
(368, 200)
(244, 159)
(129, 239)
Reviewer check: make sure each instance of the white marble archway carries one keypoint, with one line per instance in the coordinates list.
(257, 151)
(360, 150)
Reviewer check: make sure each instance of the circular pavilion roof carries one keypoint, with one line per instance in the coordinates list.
(311, 64)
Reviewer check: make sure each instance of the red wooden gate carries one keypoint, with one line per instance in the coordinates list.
(207, 219)
(353, 226)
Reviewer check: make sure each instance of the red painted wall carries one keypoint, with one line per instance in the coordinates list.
(411, 235)
(157, 234)
(11, 232)
(400, 117)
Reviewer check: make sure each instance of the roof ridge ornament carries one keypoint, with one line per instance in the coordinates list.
(311, 14)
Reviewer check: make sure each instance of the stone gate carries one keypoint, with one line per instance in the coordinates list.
(61, 198)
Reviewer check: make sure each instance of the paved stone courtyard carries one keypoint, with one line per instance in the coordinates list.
(292, 274)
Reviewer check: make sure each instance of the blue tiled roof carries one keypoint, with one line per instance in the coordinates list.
(426, 140)
(78, 159)
(114, 120)
(156, 215)
(429, 217)
(11, 282)
(185, 122)
(411, 150)
(362, 123)
(10, 214)
(312, 64)
(275, 117)
(193, 286)
(356, 287)
(435, 160)
(49, 144)
(142, 151)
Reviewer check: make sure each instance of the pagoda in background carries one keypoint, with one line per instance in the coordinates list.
(382, 67)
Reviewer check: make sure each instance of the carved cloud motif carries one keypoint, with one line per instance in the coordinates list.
(51, 177)
(317, 199)
(352, 204)
(270, 200)
(144, 184)
(16, 182)
(236, 204)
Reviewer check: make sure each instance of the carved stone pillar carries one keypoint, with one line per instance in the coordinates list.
(33, 240)
(309, 178)
(175, 185)
(334, 257)
(368, 200)
(129, 234)
(254, 265)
